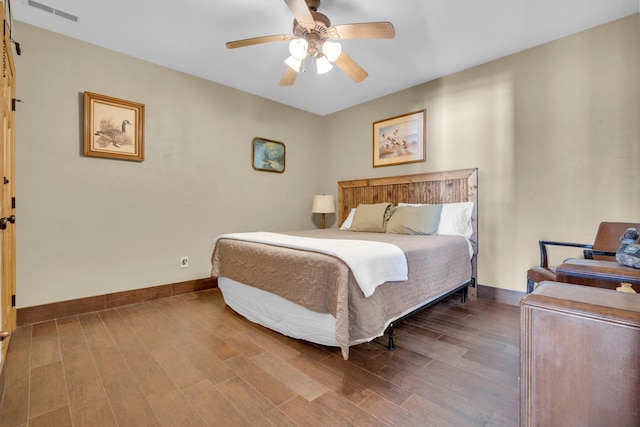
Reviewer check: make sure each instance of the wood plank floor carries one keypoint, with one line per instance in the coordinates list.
(189, 360)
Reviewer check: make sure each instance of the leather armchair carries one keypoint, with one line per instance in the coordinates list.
(604, 247)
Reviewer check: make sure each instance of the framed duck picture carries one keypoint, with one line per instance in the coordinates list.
(113, 128)
(400, 140)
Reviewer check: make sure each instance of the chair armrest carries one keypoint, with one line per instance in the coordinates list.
(543, 249)
(589, 253)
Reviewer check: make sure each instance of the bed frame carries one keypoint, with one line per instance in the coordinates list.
(435, 187)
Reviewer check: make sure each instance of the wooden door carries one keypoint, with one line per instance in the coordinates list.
(7, 194)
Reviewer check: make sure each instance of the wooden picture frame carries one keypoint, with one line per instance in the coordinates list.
(400, 140)
(268, 155)
(113, 128)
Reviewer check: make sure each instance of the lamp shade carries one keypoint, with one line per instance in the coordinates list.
(294, 63)
(323, 203)
(298, 48)
(332, 50)
(323, 65)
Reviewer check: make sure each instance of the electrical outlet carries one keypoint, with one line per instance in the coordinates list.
(184, 261)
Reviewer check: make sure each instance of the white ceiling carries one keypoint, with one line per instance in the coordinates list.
(433, 38)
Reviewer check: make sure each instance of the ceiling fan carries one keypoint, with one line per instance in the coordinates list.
(314, 37)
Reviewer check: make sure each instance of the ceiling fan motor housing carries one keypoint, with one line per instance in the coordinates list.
(317, 35)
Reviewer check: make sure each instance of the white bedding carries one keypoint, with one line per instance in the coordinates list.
(288, 318)
(279, 314)
(372, 263)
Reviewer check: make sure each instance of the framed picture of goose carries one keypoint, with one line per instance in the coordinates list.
(113, 128)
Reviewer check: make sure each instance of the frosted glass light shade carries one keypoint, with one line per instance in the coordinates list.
(332, 50)
(323, 65)
(323, 203)
(294, 63)
(298, 48)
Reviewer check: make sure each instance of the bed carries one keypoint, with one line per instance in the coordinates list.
(317, 294)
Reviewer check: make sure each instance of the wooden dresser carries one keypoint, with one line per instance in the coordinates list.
(579, 357)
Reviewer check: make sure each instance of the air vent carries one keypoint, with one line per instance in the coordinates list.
(53, 10)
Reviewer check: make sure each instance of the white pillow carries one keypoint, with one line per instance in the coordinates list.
(347, 222)
(455, 218)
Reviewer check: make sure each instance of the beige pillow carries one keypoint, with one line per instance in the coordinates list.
(371, 218)
(415, 220)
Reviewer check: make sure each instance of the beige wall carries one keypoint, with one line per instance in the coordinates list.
(90, 226)
(554, 131)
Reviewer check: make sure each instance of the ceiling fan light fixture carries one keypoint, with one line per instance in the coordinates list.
(331, 50)
(323, 65)
(295, 64)
(314, 37)
(298, 48)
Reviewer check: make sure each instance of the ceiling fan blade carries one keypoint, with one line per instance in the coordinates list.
(289, 77)
(351, 68)
(259, 40)
(301, 12)
(365, 30)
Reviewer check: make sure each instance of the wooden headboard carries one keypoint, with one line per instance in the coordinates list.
(433, 187)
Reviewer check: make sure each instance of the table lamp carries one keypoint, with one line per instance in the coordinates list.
(323, 204)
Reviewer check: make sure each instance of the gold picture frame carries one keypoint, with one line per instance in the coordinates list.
(400, 140)
(113, 128)
(267, 155)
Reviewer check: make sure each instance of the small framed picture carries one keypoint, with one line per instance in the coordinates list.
(267, 155)
(113, 128)
(400, 140)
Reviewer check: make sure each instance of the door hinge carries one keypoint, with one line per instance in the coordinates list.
(13, 300)
(13, 203)
(13, 103)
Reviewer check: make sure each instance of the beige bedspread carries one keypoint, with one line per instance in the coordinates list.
(324, 284)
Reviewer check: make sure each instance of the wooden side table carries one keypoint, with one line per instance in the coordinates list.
(600, 274)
